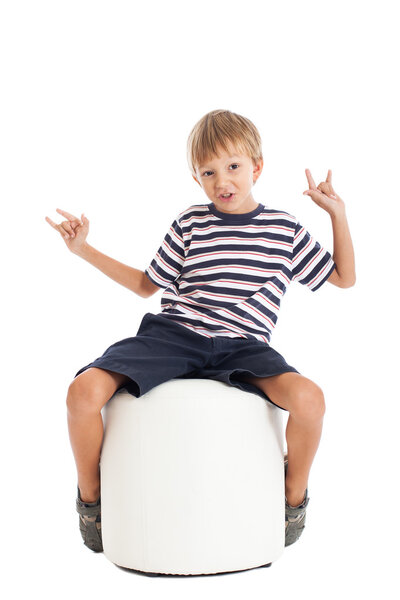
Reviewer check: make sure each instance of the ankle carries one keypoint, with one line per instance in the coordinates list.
(89, 493)
(296, 496)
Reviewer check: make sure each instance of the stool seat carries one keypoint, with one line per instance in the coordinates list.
(192, 479)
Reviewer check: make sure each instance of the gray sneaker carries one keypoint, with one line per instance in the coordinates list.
(295, 516)
(90, 523)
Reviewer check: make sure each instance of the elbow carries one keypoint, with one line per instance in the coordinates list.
(146, 294)
(147, 288)
(349, 283)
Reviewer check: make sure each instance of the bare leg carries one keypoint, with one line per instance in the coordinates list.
(87, 394)
(305, 402)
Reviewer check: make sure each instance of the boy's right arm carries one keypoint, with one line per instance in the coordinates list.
(74, 232)
(133, 279)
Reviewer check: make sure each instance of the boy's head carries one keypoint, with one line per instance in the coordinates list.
(219, 141)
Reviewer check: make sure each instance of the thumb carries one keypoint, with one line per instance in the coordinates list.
(315, 195)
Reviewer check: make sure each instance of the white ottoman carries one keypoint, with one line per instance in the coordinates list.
(192, 479)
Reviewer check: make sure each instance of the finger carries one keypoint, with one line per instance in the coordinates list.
(67, 228)
(64, 213)
(316, 193)
(326, 188)
(74, 227)
(311, 181)
(78, 222)
(50, 222)
(329, 176)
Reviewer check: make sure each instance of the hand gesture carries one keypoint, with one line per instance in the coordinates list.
(324, 195)
(74, 231)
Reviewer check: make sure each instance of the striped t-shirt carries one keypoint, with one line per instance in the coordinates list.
(225, 274)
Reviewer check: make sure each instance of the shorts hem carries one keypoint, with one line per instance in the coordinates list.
(131, 386)
(253, 389)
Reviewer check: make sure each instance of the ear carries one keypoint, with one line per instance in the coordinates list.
(258, 167)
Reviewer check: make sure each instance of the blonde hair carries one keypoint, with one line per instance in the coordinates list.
(217, 129)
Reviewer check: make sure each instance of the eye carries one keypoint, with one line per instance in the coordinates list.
(232, 165)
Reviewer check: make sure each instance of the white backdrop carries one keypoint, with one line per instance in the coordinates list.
(97, 101)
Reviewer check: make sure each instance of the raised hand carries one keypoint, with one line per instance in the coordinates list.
(324, 195)
(74, 231)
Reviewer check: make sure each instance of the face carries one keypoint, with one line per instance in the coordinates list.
(233, 173)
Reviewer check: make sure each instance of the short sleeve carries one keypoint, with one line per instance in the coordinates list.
(311, 264)
(167, 264)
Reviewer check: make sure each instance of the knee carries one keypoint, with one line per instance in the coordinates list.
(83, 398)
(309, 402)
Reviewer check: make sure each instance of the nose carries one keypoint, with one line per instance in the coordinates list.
(222, 181)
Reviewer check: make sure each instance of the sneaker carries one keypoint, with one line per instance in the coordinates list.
(295, 516)
(90, 523)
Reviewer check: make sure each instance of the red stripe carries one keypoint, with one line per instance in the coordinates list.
(246, 240)
(237, 266)
(213, 295)
(157, 276)
(246, 320)
(298, 257)
(221, 281)
(209, 318)
(178, 256)
(178, 237)
(213, 320)
(328, 265)
(237, 253)
(298, 276)
(167, 264)
(269, 301)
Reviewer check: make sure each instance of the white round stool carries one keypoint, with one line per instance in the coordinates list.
(192, 479)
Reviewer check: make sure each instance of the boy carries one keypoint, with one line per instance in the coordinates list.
(224, 267)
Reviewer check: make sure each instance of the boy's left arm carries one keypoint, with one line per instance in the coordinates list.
(344, 275)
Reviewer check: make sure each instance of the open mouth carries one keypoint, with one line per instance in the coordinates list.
(225, 197)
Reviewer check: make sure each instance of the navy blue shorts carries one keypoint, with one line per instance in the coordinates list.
(163, 349)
